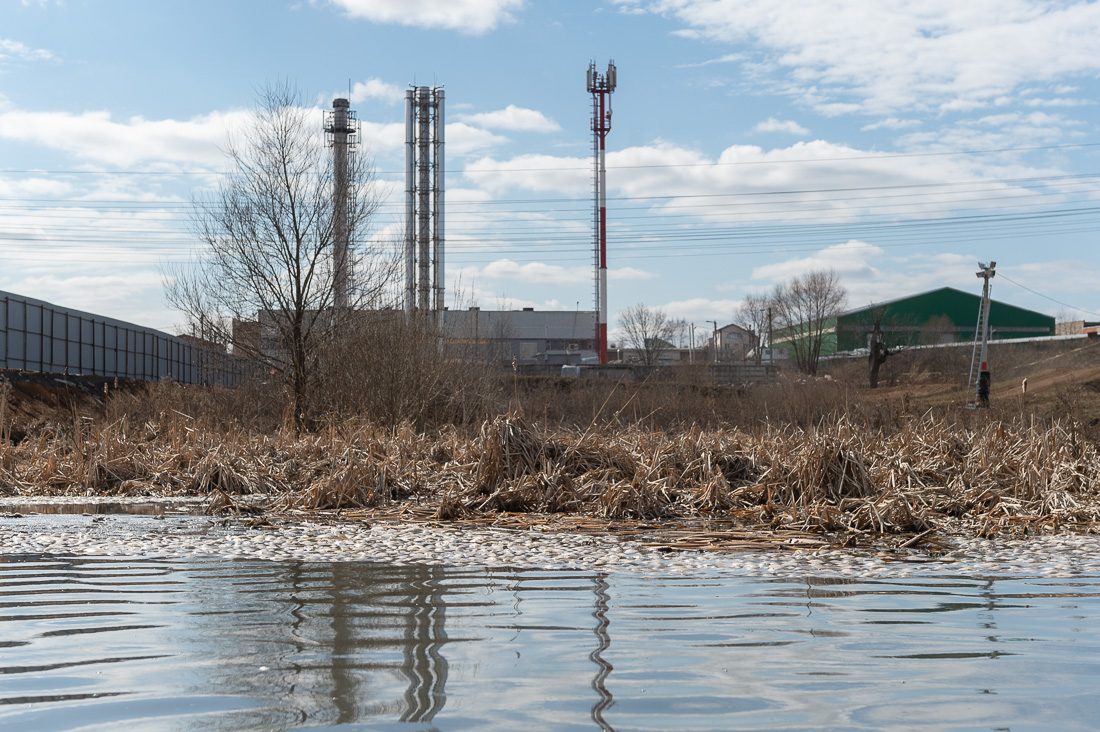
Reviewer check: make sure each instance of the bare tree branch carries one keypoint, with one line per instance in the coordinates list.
(803, 307)
(649, 331)
(268, 245)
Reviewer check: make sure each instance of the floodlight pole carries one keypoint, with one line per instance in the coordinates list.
(984, 378)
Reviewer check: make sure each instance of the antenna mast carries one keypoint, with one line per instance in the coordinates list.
(600, 86)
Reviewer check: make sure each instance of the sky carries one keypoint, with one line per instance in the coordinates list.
(898, 143)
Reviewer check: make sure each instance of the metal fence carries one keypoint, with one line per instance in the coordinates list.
(40, 336)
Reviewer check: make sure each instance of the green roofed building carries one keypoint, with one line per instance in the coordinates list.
(938, 316)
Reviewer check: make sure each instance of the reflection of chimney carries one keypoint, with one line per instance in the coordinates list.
(425, 633)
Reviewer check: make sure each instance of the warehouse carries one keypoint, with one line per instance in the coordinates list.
(945, 315)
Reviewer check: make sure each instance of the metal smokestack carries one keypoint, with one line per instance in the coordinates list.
(424, 198)
(339, 128)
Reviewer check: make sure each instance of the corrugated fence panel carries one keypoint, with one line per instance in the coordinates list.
(40, 336)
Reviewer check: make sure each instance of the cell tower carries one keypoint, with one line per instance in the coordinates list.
(424, 283)
(600, 86)
(341, 132)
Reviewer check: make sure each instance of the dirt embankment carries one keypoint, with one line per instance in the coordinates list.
(29, 399)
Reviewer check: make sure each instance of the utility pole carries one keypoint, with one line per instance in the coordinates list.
(771, 348)
(714, 339)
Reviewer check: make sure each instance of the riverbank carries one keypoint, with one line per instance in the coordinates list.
(187, 537)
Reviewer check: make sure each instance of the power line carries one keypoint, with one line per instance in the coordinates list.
(1047, 297)
(587, 167)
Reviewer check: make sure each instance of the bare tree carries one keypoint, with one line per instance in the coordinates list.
(265, 280)
(754, 315)
(803, 308)
(648, 330)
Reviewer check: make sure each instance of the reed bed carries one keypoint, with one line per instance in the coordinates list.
(836, 478)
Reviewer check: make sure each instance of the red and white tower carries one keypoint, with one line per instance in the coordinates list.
(600, 87)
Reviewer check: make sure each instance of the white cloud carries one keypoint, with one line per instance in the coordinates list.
(701, 309)
(375, 88)
(628, 273)
(513, 118)
(728, 58)
(891, 123)
(466, 16)
(665, 178)
(383, 136)
(98, 137)
(879, 56)
(850, 260)
(14, 50)
(565, 174)
(123, 295)
(771, 124)
(463, 139)
(542, 273)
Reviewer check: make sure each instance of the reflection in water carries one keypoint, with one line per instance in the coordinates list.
(424, 665)
(603, 642)
(345, 642)
(97, 507)
(117, 643)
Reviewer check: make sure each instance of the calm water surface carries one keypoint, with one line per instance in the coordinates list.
(109, 643)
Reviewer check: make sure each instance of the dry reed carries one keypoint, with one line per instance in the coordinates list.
(836, 477)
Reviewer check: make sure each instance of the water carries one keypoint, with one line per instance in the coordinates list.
(111, 643)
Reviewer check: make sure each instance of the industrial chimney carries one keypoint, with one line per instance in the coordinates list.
(341, 131)
(424, 189)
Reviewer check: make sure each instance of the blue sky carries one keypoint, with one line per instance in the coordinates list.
(897, 142)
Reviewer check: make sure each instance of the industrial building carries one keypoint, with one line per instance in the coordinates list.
(528, 336)
(945, 315)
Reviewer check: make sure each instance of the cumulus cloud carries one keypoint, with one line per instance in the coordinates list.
(466, 16)
(880, 56)
(513, 118)
(464, 139)
(789, 127)
(539, 173)
(374, 88)
(122, 295)
(192, 143)
(542, 273)
(98, 137)
(849, 260)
